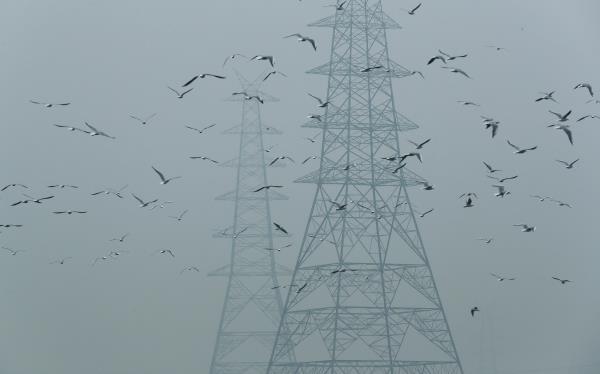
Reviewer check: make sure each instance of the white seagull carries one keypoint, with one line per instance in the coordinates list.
(525, 227)
(456, 70)
(501, 191)
(519, 150)
(180, 216)
(202, 76)
(263, 58)
(163, 180)
(322, 104)
(585, 85)
(143, 121)
(561, 117)
(96, 132)
(568, 165)
(180, 95)
(501, 279)
(143, 203)
(48, 105)
(302, 38)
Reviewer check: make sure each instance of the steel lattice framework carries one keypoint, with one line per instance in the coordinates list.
(367, 301)
(253, 304)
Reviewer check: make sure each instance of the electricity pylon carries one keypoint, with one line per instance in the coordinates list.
(252, 307)
(367, 301)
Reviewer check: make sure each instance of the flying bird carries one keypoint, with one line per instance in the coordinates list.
(61, 186)
(308, 159)
(486, 240)
(232, 57)
(501, 279)
(48, 105)
(502, 180)
(237, 234)
(273, 73)
(205, 158)
(13, 185)
(562, 281)
(568, 165)
(425, 213)
(435, 58)
(13, 252)
(61, 261)
(450, 57)
(369, 69)
(31, 200)
(302, 38)
(419, 145)
(561, 203)
(338, 206)
(567, 130)
(190, 268)
(588, 116)
(501, 191)
(111, 191)
(249, 97)
(426, 185)
(315, 116)
(163, 180)
(339, 6)
(302, 287)
(200, 131)
(180, 216)
(267, 187)
(202, 76)
(166, 251)
(547, 96)
(473, 310)
(585, 85)
(493, 125)
(143, 121)
(263, 58)
(519, 150)
(278, 227)
(281, 158)
(490, 168)
(413, 10)
(397, 169)
(95, 132)
(162, 205)
(180, 95)
(541, 198)
(322, 104)
(69, 212)
(469, 203)
(279, 248)
(561, 117)
(120, 239)
(413, 72)
(466, 103)
(71, 128)
(456, 70)
(525, 227)
(143, 203)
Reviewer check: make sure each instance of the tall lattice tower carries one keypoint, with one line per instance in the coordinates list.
(367, 301)
(253, 305)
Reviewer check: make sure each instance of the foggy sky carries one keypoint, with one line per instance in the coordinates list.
(138, 315)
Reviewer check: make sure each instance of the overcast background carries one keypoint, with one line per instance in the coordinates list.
(136, 314)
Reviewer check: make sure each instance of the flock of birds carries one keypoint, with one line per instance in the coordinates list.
(562, 122)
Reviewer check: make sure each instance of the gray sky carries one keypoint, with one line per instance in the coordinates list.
(136, 314)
